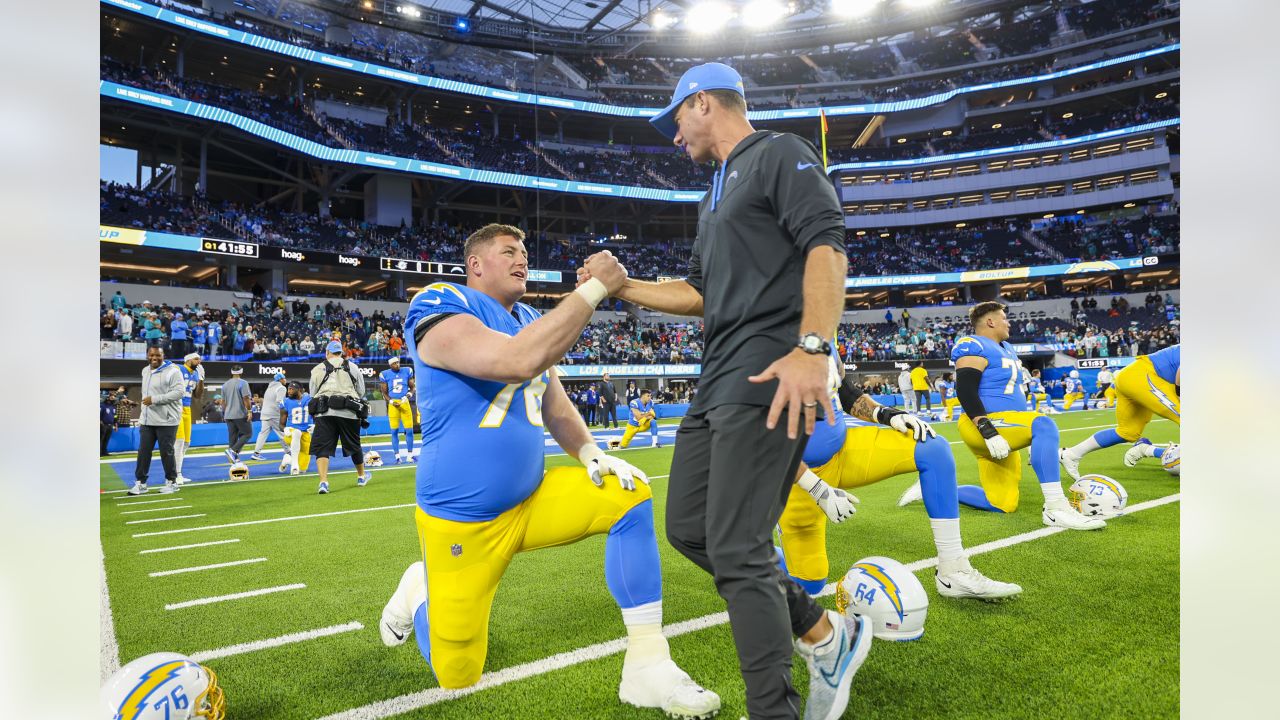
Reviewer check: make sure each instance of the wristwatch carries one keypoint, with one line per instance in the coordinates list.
(814, 344)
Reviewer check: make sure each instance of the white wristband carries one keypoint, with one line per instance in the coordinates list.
(593, 291)
(589, 452)
(809, 481)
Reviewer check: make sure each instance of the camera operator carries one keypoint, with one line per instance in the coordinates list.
(339, 410)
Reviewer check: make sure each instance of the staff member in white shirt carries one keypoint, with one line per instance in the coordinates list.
(162, 388)
(271, 400)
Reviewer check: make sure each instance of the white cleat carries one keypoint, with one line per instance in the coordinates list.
(1069, 463)
(168, 487)
(182, 480)
(1060, 514)
(139, 488)
(665, 686)
(962, 580)
(397, 616)
(284, 465)
(1140, 449)
(910, 495)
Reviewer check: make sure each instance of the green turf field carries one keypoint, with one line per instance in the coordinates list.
(1095, 634)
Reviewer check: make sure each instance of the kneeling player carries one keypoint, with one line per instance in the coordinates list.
(997, 425)
(1148, 386)
(486, 394)
(947, 390)
(1036, 393)
(643, 417)
(397, 386)
(297, 430)
(1073, 390)
(850, 457)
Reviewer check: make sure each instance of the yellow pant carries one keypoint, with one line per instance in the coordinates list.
(951, 404)
(631, 431)
(400, 413)
(869, 455)
(1000, 478)
(184, 425)
(1110, 395)
(466, 560)
(1036, 399)
(299, 447)
(1070, 399)
(1140, 392)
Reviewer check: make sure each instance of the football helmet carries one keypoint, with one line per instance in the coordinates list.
(373, 458)
(239, 471)
(163, 686)
(1171, 459)
(1098, 496)
(885, 591)
(1074, 374)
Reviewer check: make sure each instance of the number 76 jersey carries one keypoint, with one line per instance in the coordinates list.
(1001, 387)
(482, 441)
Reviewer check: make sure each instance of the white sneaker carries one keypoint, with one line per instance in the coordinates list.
(182, 480)
(323, 489)
(139, 488)
(1141, 449)
(169, 487)
(1060, 514)
(961, 580)
(910, 495)
(831, 674)
(665, 686)
(1069, 463)
(397, 616)
(231, 455)
(295, 471)
(284, 465)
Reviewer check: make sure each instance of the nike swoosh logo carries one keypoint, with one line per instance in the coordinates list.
(430, 301)
(944, 583)
(805, 166)
(393, 632)
(841, 663)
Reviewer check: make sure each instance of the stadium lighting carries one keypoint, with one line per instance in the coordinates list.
(707, 17)
(763, 13)
(853, 8)
(917, 4)
(462, 25)
(662, 21)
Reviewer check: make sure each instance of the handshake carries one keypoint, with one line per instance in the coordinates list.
(603, 266)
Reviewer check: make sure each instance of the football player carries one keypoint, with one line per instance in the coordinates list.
(192, 387)
(397, 383)
(488, 391)
(1106, 389)
(1073, 390)
(298, 426)
(996, 424)
(643, 417)
(1036, 391)
(1149, 386)
(850, 457)
(947, 391)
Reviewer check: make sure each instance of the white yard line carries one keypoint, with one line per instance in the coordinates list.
(198, 568)
(273, 520)
(233, 596)
(175, 517)
(109, 647)
(121, 502)
(163, 509)
(187, 547)
(435, 696)
(207, 655)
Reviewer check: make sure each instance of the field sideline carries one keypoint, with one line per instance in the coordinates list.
(279, 590)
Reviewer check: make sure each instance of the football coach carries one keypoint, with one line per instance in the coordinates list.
(767, 273)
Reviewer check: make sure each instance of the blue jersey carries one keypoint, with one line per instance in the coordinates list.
(482, 441)
(827, 440)
(397, 381)
(1167, 362)
(1034, 385)
(295, 412)
(948, 389)
(1001, 386)
(641, 407)
(1071, 385)
(190, 378)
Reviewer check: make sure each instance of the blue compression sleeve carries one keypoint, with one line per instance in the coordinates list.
(1044, 449)
(395, 441)
(975, 497)
(631, 566)
(422, 632)
(1107, 438)
(937, 468)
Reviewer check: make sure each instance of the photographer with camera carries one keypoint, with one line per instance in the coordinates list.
(339, 409)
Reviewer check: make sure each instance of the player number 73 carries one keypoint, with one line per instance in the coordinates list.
(533, 390)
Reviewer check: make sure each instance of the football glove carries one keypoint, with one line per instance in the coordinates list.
(997, 446)
(835, 503)
(911, 425)
(200, 372)
(599, 464)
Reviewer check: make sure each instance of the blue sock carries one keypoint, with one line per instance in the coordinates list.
(422, 631)
(1107, 438)
(1158, 453)
(408, 434)
(631, 566)
(395, 442)
(1044, 449)
(974, 497)
(937, 468)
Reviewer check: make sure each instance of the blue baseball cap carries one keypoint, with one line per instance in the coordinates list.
(278, 376)
(333, 348)
(710, 76)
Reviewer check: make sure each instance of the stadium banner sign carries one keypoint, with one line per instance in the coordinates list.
(240, 248)
(279, 47)
(108, 89)
(1018, 273)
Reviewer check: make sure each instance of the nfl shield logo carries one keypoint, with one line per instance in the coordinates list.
(456, 549)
